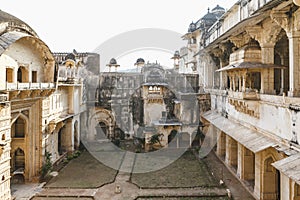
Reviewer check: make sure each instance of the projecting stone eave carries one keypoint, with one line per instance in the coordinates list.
(191, 34)
(9, 22)
(238, 29)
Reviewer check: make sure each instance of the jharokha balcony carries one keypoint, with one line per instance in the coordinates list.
(29, 90)
(29, 86)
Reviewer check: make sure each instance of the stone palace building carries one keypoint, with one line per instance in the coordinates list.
(42, 102)
(248, 61)
(241, 66)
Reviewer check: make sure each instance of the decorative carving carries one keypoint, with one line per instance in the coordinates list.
(25, 94)
(266, 35)
(240, 40)
(45, 93)
(35, 93)
(282, 19)
(13, 94)
(25, 112)
(241, 106)
(297, 20)
(54, 126)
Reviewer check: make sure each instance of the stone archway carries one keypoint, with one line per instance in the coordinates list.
(102, 131)
(19, 127)
(18, 166)
(22, 75)
(270, 180)
(104, 121)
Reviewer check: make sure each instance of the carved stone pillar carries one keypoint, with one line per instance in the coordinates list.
(222, 54)
(223, 76)
(291, 25)
(244, 77)
(294, 60)
(231, 83)
(266, 35)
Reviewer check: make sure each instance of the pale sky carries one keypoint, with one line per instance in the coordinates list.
(65, 25)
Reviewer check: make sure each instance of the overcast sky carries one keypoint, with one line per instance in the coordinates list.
(65, 25)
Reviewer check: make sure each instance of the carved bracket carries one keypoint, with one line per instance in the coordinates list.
(240, 40)
(282, 19)
(266, 35)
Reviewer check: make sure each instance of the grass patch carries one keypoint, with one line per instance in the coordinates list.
(182, 198)
(61, 198)
(186, 171)
(83, 172)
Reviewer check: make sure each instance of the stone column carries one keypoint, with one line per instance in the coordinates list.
(294, 61)
(240, 163)
(291, 25)
(266, 34)
(244, 76)
(230, 81)
(240, 82)
(231, 151)
(258, 175)
(282, 82)
(233, 82)
(267, 55)
(221, 144)
(223, 74)
(71, 99)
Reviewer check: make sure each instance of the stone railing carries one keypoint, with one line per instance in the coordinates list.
(236, 14)
(29, 86)
(248, 95)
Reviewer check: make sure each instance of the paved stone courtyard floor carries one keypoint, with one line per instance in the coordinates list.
(85, 178)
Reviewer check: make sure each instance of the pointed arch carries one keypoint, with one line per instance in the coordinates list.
(19, 126)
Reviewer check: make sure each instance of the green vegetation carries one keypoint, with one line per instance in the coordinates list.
(187, 171)
(83, 172)
(47, 166)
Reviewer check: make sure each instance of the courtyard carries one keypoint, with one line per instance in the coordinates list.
(186, 178)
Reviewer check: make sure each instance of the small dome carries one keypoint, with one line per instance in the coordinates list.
(218, 8)
(140, 60)
(208, 20)
(113, 61)
(192, 27)
(176, 54)
(209, 16)
(70, 56)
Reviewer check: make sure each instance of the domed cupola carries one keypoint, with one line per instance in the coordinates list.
(11, 23)
(192, 27)
(209, 19)
(218, 10)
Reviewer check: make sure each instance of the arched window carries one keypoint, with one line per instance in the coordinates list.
(268, 166)
(22, 75)
(9, 75)
(19, 127)
(19, 159)
(19, 75)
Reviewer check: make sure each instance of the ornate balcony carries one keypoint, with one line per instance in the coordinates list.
(29, 86)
